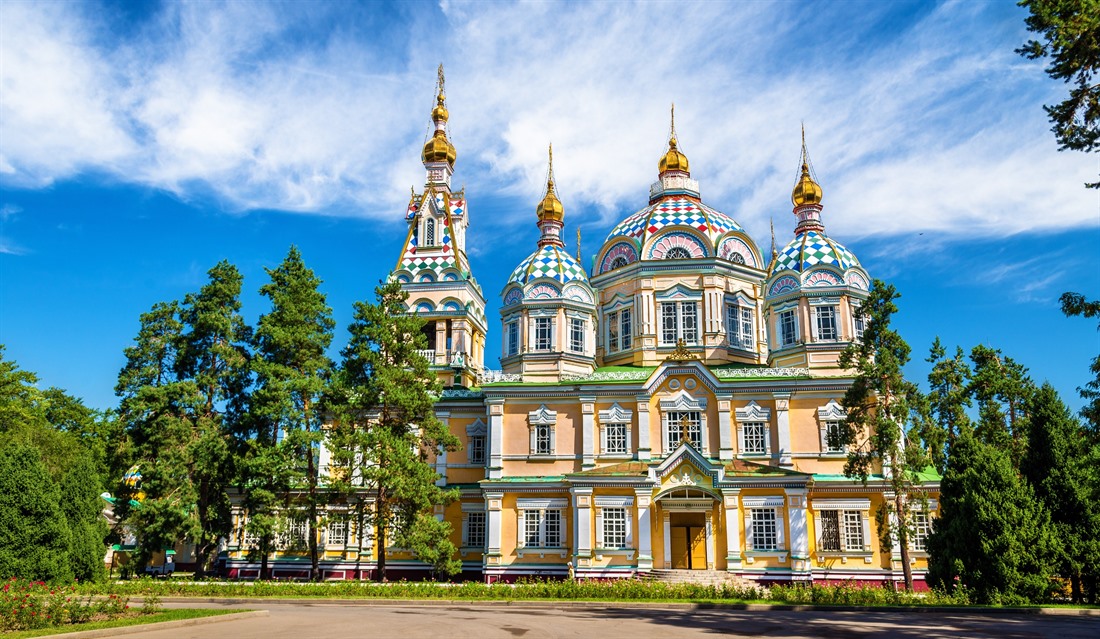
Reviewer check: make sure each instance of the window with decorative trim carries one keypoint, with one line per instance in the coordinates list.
(753, 429)
(614, 528)
(679, 320)
(834, 434)
(511, 338)
(764, 534)
(825, 318)
(614, 439)
(541, 527)
(739, 332)
(576, 335)
(683, 426)
(614, 523)
(619, 330)
(842, 531)
(922, 528)
(543, 442)
(475, 451)
(830, 419)
(542, 423)
(473, 529)
(336, 532)
(858, 322)
(544, 334)
(429, 232)
(787, 327)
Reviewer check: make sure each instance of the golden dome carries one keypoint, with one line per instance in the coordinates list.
(550, 208)
(439, 113)
(806, 191)
(439, 149)
(674, 160)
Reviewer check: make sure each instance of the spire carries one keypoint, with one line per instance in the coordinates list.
(550, 211)
(775, 252)
(673, 160)
(439, 148)
(579, 245)
(806, 190)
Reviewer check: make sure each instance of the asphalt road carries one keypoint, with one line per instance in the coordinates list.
(409, 621)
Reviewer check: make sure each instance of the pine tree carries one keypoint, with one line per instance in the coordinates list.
(81, 506)
(292, 371)
(1074, 304)
(35, 538)
(214, 362)
(1002, 389)
(948, 401)
(1057, 466)
(991, 536)
(387, 432)
(880, 404)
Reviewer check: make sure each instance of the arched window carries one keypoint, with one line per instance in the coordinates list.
(429, 232)
(678, 253)
(737, 258)
(618, 262)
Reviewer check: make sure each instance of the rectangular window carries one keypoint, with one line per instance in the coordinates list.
(683, 426)
(542, 528)
(826, 323)
(853, 531)
(788, 328)
(764, 534)
(858, 322)
(576, 335)
(614, 528)
(755, 435)
(336, 534)
(544, 333)
(542, 440)
(429, 239)
(830, 531)
(833, 434)
(512, 346)
(475, 530)
(679, 320)
(613, 332)
(922, 527)
(842, 531)
(475, 449)
(738, 326)
(614, 439)
(625, 328)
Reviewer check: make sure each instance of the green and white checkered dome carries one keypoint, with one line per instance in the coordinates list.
(548, 262)
(811, 248)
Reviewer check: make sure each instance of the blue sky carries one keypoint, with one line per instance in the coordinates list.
(140, 143)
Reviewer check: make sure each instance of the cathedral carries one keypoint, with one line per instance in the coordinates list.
(667, 406)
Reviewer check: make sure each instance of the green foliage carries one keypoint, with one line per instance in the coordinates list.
(1002, 389)
(1074, 304)
(386, 432)
(81, 507)
(881, 404)
(854, 594)
(292, 372)
(28, 604)
(35, 539)
(1070, 37)
(947, 401)
(992, 535)
(1066, 481)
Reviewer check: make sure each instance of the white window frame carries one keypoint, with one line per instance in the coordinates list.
(511, 338)
(543, 334)
(826, 327)
(617, 432)
(764, 534)
(750, 416)
(541, 523)
(336, 530)
(614, 524)
(543, 424)
(671, 431)
(853, 525)
(577, 327)
(475, 526)
(763, 504)
(615, 417)
(781, 325)
(858, 321)
(739, 325)
(429, 231)
(672, 422)
(918, 537)
(681, 312)
(476, 431)
(828, 416)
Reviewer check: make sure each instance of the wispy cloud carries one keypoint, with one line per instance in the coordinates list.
(918, 120)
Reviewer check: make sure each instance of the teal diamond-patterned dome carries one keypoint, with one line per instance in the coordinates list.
(548, 262)
(811, 248)
(674, 211)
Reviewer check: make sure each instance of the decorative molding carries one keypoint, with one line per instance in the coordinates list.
(542, 416)
(683, 401)
(783, 285)
(616, 414)
(753, 413)
(681, 354)
(831, 412)
(542, 291)
(476, 429)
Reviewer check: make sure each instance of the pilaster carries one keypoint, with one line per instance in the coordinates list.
(588, 432)
(783, 426)
(644, 447)
(725, 430)
(644, 499)
(731, 506)
(800, 535)
(496, 437)
(582, 526)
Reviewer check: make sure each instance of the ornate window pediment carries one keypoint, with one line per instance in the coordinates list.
(476, 429)
(832, 411)
(753, 413)
(616, 414)
(542, 417)
(682, 401)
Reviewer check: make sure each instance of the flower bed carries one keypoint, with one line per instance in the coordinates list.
(26, 605)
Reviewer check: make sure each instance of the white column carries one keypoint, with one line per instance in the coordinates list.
(668, 540)
(645, 542)
(783, 425)
(441, 458)
(496, 437)
(800, 537)
(710, 540)
(582, 525)
(725, 431)
(730, 505)
(644, 448)
(588, 432)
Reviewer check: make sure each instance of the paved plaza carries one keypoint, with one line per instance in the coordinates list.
(411, 621)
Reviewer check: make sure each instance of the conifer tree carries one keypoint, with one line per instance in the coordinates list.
(948, 401)
(35, 538)
(1002, 388)
(992, 535)
(1074, 304)
(387, 431)
(1058, 467)
(292, 371)
(880, 404)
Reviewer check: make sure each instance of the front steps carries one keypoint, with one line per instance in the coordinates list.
(699, 577)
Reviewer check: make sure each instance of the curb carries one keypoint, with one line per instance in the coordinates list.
(601, 605)
(159, 625)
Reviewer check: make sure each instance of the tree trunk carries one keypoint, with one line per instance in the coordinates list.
(380, 537)
(903, 540)
(265, 545)
(202, 555)
(315, 572)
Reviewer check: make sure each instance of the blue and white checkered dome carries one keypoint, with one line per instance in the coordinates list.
(812, 248)
(676, 210)
(548, 262)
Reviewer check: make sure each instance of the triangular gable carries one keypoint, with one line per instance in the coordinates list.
(686, 453)
(691, 367)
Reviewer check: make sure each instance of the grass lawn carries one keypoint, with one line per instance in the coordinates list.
(164, 615)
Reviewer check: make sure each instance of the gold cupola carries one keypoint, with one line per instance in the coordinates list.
(550, 208)
(439, 148)
(806, 190)
(673, 160)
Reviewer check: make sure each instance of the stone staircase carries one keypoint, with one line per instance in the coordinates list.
(700, 577)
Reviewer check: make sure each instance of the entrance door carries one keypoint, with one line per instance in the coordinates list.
(681, 556)
(698, 538)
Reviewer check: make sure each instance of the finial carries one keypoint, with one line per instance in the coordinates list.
(550, 171)
(550, 208)
(806, 190)
(579, 245)
(775, 252)
(441, 77)
(673, 160)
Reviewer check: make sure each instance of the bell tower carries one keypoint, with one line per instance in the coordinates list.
(433, 267)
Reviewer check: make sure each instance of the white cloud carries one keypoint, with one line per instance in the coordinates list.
(916, 123)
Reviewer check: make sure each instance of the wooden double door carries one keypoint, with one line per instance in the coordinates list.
(688, 541)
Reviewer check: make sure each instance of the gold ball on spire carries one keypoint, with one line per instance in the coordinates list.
(673, 160)
(806, 191)
(439, 148)
(550, 208)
